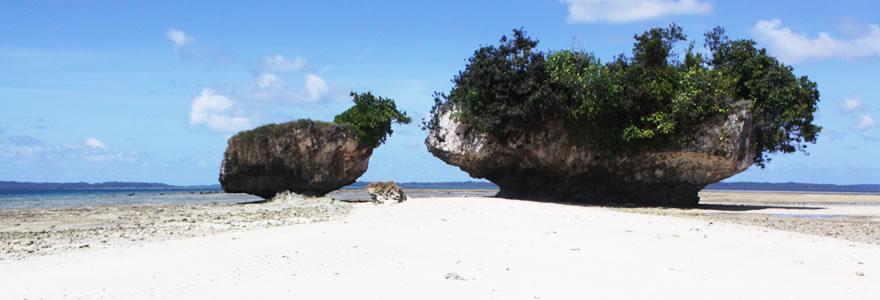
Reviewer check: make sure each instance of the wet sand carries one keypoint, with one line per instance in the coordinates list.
(44, 231)
(35, 232)
(853, 217)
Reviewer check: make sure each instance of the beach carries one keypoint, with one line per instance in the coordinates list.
(574, 149)
(37, 231)
(458, 247)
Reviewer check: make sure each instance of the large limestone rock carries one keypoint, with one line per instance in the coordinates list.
(548, 165)
(305, 157)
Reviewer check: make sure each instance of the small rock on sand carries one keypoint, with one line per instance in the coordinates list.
(385, 192)
(455, 276)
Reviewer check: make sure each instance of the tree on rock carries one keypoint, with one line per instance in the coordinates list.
(652, 127)
(371, 118)
(650, 99)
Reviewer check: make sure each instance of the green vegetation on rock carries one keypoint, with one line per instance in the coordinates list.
(651, 99)
(268, 130)
(371, 118)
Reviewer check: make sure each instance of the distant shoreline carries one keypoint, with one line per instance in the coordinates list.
(102, 186)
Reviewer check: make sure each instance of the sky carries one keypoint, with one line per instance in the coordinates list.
(151, 90)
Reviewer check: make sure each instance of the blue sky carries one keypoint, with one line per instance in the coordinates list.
(151, 90)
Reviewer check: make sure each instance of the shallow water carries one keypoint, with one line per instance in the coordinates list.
(79, 198)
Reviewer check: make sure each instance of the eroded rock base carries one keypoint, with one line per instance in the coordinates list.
(550, 164)
(600, 192)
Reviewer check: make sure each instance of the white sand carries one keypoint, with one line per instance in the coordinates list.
(506, 249)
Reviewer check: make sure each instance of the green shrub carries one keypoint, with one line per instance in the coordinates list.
(648, 100)
(782, 103)
(371, 118)
(274, 130)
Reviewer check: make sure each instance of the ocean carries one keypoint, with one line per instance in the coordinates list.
(11, 199)
(24, 199)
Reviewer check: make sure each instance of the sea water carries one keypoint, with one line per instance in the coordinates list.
(23, 199)
(78, 198)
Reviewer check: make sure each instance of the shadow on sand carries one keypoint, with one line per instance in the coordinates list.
(750, 207)
(710, 207)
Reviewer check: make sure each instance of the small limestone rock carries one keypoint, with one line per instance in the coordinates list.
(305, 157)
(455, 276)
(385, 193)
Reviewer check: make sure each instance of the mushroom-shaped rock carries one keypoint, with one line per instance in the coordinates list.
(548, 164)
(646, 128)
(385, 193)
(305, 157)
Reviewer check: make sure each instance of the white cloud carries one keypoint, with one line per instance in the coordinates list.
(271, 87)
(278, 63)
(211, 109)
(622, 11)
(316, 87)
(27, 148)
(267, 81)
(865, 122)
(127, 157)
(258, 101)
(188, 48)
(207, 103)
(851, 105)
(861, 122)
(95, 143)
(793, 47)
(22, 146)
(178, 37)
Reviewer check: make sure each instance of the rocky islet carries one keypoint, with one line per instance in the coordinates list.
(305, 157)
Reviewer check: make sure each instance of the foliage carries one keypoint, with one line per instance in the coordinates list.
(272, 130)
(648, 100)
(371, 118)
(782, 103)
(504, 88)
